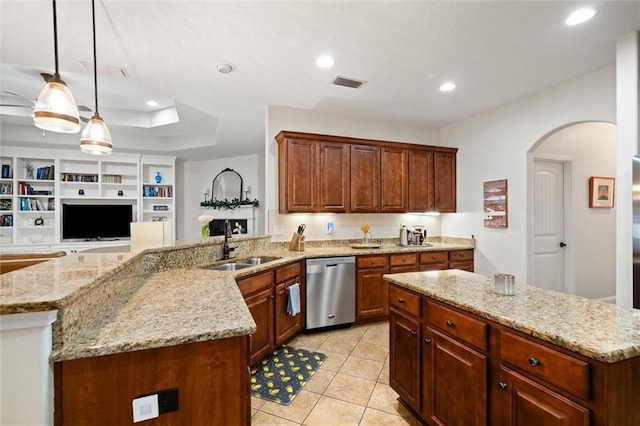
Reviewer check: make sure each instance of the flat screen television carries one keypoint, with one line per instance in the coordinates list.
(96, 221)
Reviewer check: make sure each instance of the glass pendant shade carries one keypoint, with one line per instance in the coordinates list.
(96, 138)
(56, 109)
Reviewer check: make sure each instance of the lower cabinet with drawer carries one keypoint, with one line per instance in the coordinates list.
(266, 296)
(452, 367)
(372, 291)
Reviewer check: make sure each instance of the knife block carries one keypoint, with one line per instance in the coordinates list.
(297, 242)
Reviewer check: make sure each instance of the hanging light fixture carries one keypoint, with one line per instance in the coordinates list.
(55, 108)
(95, 138)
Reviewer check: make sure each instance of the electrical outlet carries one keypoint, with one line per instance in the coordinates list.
(145, 408)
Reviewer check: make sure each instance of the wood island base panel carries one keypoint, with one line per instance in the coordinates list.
(461, 354)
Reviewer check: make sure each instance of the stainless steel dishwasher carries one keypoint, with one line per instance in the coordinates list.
(331, 292)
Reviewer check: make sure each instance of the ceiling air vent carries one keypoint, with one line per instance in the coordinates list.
(347, 82)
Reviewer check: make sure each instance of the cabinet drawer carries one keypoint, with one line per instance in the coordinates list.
(403, 259)
(404, 300)
(371, 261)
(463, 327)
(458, 255)
(562, 370)
(255, 283)
(287, 272)
(434, 257)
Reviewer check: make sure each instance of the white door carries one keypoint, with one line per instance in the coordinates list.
(548, 225)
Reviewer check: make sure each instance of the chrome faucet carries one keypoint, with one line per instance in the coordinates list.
(226, 249)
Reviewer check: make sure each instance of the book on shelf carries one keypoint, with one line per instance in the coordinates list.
(45, 173)
(36, 204)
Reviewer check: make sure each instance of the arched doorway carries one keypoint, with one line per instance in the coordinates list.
(571, 246)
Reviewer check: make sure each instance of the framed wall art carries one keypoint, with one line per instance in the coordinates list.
(495, 204)
(601, 191)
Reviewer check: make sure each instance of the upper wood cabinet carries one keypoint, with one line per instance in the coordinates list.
(365, 179)
(321, 173)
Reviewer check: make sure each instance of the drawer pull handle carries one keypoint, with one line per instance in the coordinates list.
(534, 362)
(400, 300)
(414, 333)
(450, 323)
(427, 341)
(502, 386)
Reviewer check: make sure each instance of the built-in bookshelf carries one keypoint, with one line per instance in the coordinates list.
(35, 183)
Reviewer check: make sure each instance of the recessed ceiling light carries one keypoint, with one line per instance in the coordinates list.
(580, 16)
(152, 103)
(325, 61)
(447, 86)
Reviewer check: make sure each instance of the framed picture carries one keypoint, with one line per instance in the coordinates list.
(496, 209)
(6, 171)
(601, 191)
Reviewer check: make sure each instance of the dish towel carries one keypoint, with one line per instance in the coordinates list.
(293, 302)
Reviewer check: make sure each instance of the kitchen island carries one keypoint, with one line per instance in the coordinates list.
(121, 308)
(462, 354)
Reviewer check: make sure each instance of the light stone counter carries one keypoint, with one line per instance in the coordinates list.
(598, 330)
(110, 300)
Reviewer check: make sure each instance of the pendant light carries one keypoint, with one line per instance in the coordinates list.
(96, 138)
(55, 108)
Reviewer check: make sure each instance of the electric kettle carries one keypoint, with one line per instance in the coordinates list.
(405, 236)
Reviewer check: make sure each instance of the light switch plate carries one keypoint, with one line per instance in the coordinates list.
(145, 408)
(329, 228)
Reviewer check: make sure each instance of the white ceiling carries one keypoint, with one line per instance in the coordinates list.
(496, 52)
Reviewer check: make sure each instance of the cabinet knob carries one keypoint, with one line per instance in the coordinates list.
(534, 362)
(450, 323)
(414, 333)
(502, 385)
(427, 341)
(400, 300)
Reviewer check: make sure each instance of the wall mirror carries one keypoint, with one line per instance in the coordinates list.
(227, 185)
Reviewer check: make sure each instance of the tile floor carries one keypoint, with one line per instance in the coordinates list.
(351, 388)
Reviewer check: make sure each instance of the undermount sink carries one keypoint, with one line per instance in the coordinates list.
(258, 260)
(242, 263)
(227, 266)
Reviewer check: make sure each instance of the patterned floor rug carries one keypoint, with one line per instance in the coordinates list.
(284, 373)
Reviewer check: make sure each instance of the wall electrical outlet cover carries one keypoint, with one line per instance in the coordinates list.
(329, 227)
(145, 408)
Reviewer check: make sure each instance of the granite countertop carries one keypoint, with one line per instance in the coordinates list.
(108, 301)
(598, 330)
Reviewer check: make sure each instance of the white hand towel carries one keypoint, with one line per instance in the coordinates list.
(293, 302)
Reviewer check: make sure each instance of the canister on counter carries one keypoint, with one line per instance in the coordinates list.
(504, 284)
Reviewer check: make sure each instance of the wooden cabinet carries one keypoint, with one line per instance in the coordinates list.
(461, 259)
(421, 187)
(473, 371)
(404, 349)
(212, 380)
(288, 326)
(527, 403)
(434, 260)
(394, 180)
(297, 176)
(266, 296)
(322, 173)
(444, 172)
(365, 179)
(404, 262)
(259, 296)
(333, 177)
(454, 381)
(372, 291)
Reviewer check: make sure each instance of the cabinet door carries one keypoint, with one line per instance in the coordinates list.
(372, 293)
(444, 175)
(334, 177)
(527, 403)
(454, 382)
(365, 178)
(404, 357)
(421, 190)
(261, 307)
(297, 176)
(287, 326)
(394, 180)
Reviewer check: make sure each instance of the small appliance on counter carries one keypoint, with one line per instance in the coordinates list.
(405, 236)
